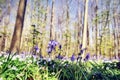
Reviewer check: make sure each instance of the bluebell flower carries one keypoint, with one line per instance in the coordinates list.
(80, 46)
(81, 52)
(51, 45)
(73, 57)
(36, 48)
(54, 43)
(41, 56)
(49, 50)
(60, 46)
(59, 56)
(87, 57)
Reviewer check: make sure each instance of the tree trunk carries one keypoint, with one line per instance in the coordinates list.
(52, 34)
(42, 42)
(78, 28)
(84, 41)
(16, 39)
(88, 42)
(96, 30)
(6, 22)
(67, 30)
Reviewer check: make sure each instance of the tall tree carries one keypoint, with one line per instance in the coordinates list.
(67, 34)
(2, 7)
(84, 41)
(6, 22)
(115, 34)
(43, 28)
(96, 29)
(16, 39)
(78, 29)
(52, 35)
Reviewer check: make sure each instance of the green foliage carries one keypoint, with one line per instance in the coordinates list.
(107, 44)
(15, 69)
(81, 71)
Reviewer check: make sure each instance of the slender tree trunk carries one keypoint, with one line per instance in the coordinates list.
(88, 36)
(78, 28)
(116, 43)
(45, 19)
(106, 23)
(118, 21)
(52, 34)
(6, 22)
(4, 39)
(67, 30)
(96, 30)
(84, 41)
(16, 39)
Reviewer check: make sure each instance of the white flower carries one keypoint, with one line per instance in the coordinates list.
(53, 73)
(15, 57)
(30, 61)
(1, 63)
(14, 68)
(107, 68)
(49, 59)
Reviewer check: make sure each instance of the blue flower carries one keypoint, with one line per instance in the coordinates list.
(41, 56)
(51, 45)
(60, 46)
(81, 52)
(59, 56)
(36, 48)
(87, 57)
(54, 43)
(73, 57)
(80, 46)
(49, 50)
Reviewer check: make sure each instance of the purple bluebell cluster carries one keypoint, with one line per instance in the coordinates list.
(51, 46)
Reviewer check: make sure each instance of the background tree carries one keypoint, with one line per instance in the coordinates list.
(16, 39)
(4, 17)
(52, 29)
(96, 29)
(85, 27)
